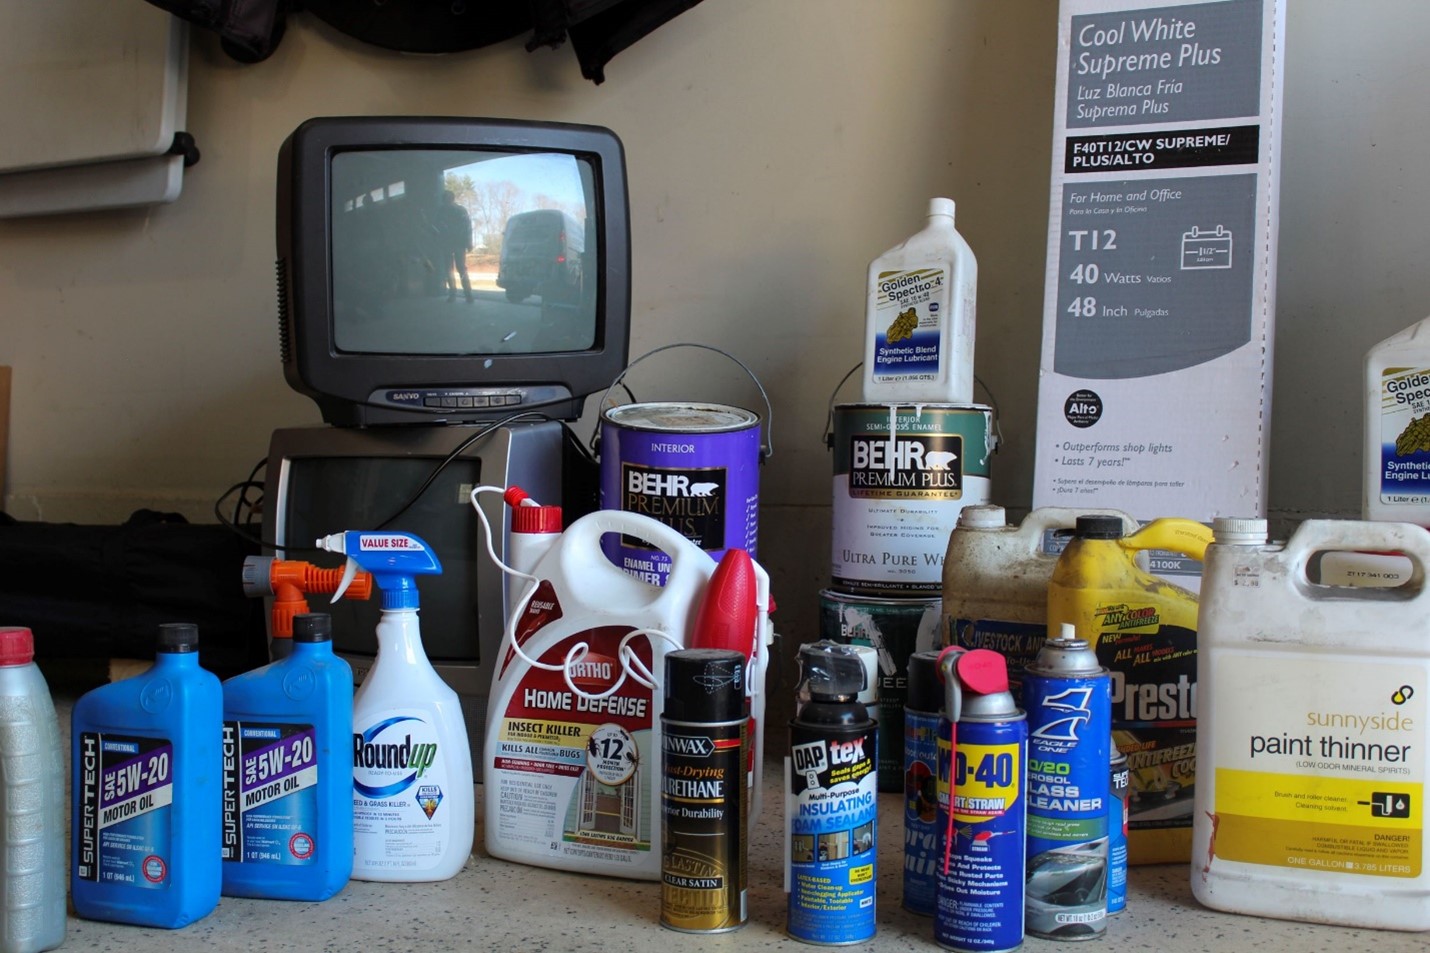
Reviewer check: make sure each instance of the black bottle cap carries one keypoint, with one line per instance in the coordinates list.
(831, 670)
(925, 690)
(704, 685)
(178, 637)
(312, 627)
(1099, 527)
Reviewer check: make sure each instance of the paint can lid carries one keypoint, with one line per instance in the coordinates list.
(704, 685)
(982, 516)
(830, 670)
(17, 645)
(925, 692)
(1099, 526)
(312, 627)
(178, 637)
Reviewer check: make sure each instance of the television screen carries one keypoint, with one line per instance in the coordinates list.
(445, 270)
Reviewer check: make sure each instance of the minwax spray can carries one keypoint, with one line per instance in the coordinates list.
(831, 802)
(1119, 807)
(1068, 694)
(923, 707)
(704, 795)
(983, 746)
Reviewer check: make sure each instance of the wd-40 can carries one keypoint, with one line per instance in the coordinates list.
(1117, 816)
(923, 707)
(983, 746)
(1069, 703)
(831, 802)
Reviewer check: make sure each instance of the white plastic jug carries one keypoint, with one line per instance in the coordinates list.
(1313, 717)
(573, 740)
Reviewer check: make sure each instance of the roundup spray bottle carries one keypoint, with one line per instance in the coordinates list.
(414, 804)
(288, 767)
(1144, 631)
(147, 767)
(289, 582)
(574, 737)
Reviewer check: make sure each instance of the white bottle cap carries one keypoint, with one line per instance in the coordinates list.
(982, 516)
(941, 206)
(1239, 531)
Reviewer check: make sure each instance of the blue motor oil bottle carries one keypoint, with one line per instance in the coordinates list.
(983, 748)
(146, 790)
(287, 772)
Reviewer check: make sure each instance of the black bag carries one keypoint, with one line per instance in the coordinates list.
(103, 591)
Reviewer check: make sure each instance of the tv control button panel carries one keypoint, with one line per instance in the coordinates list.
(449, 402)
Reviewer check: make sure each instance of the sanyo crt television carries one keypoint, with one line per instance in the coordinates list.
(451, 270)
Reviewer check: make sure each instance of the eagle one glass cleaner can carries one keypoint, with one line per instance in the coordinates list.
(704, 796)
(831, 802)
(922, 711)
(983, 746)
(693, 467)
(1069, 699)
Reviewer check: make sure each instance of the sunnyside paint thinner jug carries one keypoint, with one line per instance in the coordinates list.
(1144, 631)
(1313, 721)
(146, 788)
(32, 812)
(288, 768)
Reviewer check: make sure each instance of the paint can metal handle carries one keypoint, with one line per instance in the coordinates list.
(767, 451)
(995, 437)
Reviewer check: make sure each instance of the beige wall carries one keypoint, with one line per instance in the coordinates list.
(773, 149)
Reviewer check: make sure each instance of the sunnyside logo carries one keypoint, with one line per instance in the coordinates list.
(386, 758)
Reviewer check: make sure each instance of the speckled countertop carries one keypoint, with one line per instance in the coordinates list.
(498, 905)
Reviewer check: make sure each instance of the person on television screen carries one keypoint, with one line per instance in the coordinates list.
(454, 226)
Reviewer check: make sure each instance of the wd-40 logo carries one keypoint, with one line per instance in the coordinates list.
(692, 746)
(371, 754)
(1062, 729)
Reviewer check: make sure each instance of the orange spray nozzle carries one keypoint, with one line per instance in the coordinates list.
(289, 581)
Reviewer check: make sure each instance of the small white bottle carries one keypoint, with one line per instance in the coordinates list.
(920, 316)
(32, 803)
(1397, 428)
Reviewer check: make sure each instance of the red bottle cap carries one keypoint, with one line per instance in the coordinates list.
(17, 645)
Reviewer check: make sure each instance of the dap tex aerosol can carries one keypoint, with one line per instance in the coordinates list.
(922, 710)
(831, 802)
(983, 745)
(1069, 701)
(704, 796)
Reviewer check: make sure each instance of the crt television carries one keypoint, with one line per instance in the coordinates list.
(323, 480)
(450, 270)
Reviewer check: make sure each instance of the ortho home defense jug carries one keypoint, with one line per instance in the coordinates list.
(1314, 717)
(288, 768)
(32, 804)
(1144, 630)
(146, 786)
(573, 741)
(995, 581)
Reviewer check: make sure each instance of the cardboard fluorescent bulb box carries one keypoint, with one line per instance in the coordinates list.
(1155, 380)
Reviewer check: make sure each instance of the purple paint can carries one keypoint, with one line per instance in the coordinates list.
(693, 467)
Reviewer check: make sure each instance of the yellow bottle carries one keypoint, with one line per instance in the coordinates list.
(1144, 630)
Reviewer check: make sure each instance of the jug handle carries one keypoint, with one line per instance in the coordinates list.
(585, 535)
(1174, 534)
(1044, 518)
(1408, 539)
